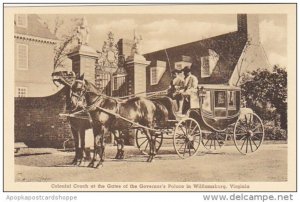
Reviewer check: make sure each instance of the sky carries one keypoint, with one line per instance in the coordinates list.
(163, 31)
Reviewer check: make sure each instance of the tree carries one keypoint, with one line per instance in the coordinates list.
(66, 32)
(266, 93)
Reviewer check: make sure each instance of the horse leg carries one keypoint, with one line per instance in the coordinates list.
(149, 137)
(76, 141)
(153, 137)
(96, 134)
(87, 152)
(117, 138)
(102, 148)
(120, 146)
(82, 146)
(122, 141)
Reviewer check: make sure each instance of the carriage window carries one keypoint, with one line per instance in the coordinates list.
(220, 100)
(232, 99)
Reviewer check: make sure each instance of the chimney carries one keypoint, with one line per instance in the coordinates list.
(249, 24)
(125, 46)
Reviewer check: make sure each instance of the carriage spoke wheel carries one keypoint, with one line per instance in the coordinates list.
(142, 141)
(213, 141)
(187, 138)
(248, 133)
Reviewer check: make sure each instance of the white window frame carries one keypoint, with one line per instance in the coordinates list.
(182, 64)
(17, 56)
(25, 22)
(151, 76)
(21, 87)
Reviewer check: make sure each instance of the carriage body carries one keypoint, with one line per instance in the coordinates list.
(215, 114)
(218, 107)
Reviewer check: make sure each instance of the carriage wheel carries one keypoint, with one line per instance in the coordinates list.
(187, 138)
(214, 141)
(142, 141)
(248, 133)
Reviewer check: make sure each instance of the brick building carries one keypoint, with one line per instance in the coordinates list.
(34, 55)
(221, 59)
(217, 60)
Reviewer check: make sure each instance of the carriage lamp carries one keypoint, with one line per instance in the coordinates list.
(202, 93)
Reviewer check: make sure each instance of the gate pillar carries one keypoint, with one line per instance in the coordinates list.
(136, 82)
(136, 73)
(84, 61)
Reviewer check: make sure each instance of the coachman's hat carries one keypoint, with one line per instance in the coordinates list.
(176, 71)
(186, 69)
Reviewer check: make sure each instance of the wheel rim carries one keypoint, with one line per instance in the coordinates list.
(248, 133)
(213, 141)
(142, 141)
(187, 138)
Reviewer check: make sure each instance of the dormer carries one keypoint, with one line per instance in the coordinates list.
(208, 63)
(184, 61)
(157, 71)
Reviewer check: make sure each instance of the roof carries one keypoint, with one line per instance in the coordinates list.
(35, 28)
(228, 46)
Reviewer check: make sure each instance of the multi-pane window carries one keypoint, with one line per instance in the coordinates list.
(21, 20)
(22, 56)
(205, 71)
(153, 76)
(21, 92)
(118, 82)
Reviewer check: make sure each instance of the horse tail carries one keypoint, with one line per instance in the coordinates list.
(161, 114)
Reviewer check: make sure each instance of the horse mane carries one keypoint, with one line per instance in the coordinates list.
(90, 87)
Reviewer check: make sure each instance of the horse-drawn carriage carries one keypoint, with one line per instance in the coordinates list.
(214, 117)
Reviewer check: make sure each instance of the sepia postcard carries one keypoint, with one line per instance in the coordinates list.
(151, 97)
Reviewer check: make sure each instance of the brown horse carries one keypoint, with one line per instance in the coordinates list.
(81, 123)
(108, 116)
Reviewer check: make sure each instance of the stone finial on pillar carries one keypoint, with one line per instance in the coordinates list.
(83, 32)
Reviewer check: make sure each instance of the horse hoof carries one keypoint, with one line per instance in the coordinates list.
(91, 165)
(149, 159)
(99, 165)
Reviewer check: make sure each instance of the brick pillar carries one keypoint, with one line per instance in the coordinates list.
(84, 61)
(136, 71)
(136, 81)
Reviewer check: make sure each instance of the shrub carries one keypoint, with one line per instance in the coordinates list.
(275, 133)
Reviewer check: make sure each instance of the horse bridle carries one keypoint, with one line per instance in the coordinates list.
(79, 99)
(81, 96)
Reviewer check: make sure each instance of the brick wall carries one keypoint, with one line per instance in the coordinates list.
(37, 120)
